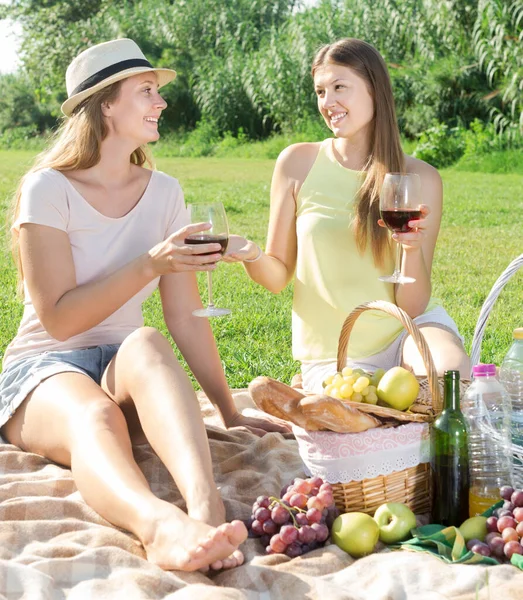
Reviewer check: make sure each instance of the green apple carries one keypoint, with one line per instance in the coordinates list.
(356, 533)
(474, 528)
(395, 521)
(398, 388)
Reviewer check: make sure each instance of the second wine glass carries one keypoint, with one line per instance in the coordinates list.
(218, 233)
(400, 203)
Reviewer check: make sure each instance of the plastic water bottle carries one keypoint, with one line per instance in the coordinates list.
(511, 376)
(486, 406)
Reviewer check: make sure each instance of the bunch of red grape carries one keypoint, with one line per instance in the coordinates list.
(297, 522)
(504, 527)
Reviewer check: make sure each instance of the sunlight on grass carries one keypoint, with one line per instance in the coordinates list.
(480, 235)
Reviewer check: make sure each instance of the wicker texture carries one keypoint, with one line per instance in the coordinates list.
(475, 354)
(502, 280)
(412, 486)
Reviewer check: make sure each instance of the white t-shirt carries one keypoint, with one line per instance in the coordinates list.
(100, 245)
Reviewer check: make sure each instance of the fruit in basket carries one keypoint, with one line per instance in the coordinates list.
(474, 528)
(395, 521)
(398, 388)
(353, 384)
(297, 521)
(376, 377)
(356, 533)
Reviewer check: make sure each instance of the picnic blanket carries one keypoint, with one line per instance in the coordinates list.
(53, 546)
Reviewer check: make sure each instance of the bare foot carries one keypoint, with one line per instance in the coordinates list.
(211, 511)
(178, 542)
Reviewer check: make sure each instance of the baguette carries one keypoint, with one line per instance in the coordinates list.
(335, 415)
(280, 400)
(312, 413)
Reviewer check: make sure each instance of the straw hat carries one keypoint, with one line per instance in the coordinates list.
(103, 64)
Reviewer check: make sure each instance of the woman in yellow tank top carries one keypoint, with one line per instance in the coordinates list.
(325, 228)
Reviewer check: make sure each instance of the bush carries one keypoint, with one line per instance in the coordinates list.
(22, 138)
(440, 145)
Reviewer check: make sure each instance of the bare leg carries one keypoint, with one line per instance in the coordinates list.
(145, 373)
(446, 349)
(159, 397)
(70, 420)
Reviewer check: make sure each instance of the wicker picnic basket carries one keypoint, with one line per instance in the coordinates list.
(413, 485)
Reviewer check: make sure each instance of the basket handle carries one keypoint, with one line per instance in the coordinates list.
(513, 267)
(409, 325)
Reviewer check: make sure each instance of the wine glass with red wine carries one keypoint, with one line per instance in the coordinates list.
(219, 233)
(399, 204)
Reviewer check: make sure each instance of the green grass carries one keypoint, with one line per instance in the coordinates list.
(480, 235)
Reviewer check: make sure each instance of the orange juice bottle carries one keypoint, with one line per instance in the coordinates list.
(479, 503)
(486, 406)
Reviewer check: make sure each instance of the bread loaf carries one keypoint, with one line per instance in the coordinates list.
(335, 415)
(313, 413)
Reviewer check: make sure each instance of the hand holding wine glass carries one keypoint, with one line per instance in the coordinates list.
(400, 203)
(218, 233)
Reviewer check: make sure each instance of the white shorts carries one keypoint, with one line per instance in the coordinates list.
(314, 373)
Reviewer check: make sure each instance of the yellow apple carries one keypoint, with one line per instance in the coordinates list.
(356, 533)
(474, 528)
(398, 388)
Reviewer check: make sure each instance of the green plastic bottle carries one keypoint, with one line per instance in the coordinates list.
(449, 459)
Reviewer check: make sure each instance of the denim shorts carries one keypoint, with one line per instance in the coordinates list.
(22, 376)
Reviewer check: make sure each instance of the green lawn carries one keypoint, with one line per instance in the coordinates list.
(480, 235)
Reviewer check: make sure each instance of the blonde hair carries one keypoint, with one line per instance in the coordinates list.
(386, 154)
(76, 145)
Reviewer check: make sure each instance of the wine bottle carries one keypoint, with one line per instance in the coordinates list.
(449, 458)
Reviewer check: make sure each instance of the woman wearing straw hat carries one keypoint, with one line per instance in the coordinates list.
(95, 232)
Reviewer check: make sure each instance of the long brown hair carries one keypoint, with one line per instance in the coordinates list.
(76, 145)
(385, 154)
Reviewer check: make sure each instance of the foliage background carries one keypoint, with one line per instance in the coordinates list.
(244, 65)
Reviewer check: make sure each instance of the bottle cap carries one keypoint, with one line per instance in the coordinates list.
(483, 370)
(518, 333)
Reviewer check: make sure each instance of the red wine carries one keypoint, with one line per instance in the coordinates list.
(205, 238)
(398, 220)
(451, 488)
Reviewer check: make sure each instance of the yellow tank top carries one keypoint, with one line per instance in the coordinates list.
(332, 277)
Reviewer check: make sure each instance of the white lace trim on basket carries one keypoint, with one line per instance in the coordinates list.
(344, 457)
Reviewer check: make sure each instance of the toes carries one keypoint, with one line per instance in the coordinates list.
(229, 562)
(236, 532)
(218, 564)
(238, 555)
